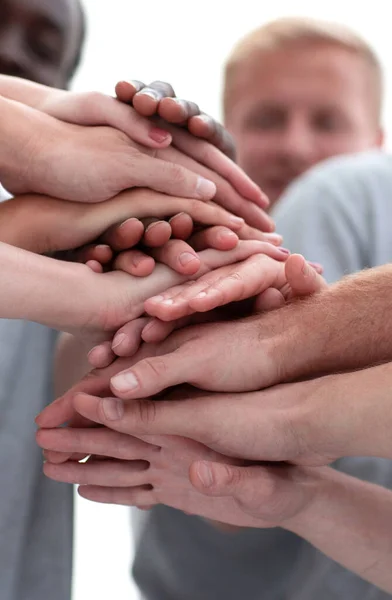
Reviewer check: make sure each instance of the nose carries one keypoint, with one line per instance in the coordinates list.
(12, 55)
(297, 143)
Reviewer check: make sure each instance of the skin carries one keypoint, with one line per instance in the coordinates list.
(40, 39)
(290, 108)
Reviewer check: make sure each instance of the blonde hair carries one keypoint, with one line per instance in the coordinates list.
(291, 31)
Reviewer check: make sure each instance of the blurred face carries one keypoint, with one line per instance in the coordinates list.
(291, 109)
(39, 39)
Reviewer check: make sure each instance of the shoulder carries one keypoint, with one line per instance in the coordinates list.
(341, 184)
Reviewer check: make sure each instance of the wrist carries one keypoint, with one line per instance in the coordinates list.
(320, 489)
(18, 148)
(57, 294)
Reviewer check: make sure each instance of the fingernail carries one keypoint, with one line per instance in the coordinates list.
(236, 220)
(205, 118)
(169, 301)
(307, 270)
(274, 238)
(205, 474)
(91, 351)
(205, 188)
(127, 221)
(150, 93)
(152, 225)
(113, 409)
(201, 295)
(118, 339)
(186, 257)
(156, 299)
(125, 382)
(177, 215)
(159, 135)
(284, 250)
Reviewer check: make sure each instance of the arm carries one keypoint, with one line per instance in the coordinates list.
(37, 288)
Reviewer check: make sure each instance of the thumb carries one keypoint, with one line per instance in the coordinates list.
(302, 278)
(218, 479)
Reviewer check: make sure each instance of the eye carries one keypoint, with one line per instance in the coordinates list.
(45, 45)
(267, 119)
(328, 121)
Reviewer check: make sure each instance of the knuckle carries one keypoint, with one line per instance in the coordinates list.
(145, 411)
(177, 174)
(155, 366)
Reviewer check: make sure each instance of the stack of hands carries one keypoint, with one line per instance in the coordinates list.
(186, 307)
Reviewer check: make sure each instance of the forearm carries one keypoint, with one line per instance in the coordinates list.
(344, 327)
(350, 521)
(350, 414)
(42, 289)
(24, 91)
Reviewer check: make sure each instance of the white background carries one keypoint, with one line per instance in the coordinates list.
(186, 44)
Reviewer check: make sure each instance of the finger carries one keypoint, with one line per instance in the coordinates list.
(222, 286)
(94, 266)
(101, 356)
(150, 376)
(134, 262)
(151, 206)
(135, 496)
(302, 278)
(206, 127)
(125, 90)
(114, 113)
(181, 226)
(213, 259)
(272, 494)
(157, 234)
(100, 253)
(127, 340)
(146, 101)
(269, 300)
(175, 110)
(62, 410)
(250, 233)
(108, 473)
(125, 235)
(156, 330)
(217, 237)
(209, 156)
(179, 256)
(97, 442)
(170, 178)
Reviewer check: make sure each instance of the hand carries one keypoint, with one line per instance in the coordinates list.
(93, 108)
(204, 355)
(158, 98)
(169, 469)
(43, 224)
(301, 280)
(23, 167)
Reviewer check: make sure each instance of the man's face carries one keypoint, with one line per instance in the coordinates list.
(39, 39)
(290, 109)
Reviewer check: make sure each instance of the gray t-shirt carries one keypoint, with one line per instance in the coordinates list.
(35, 512)
(339, 214)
